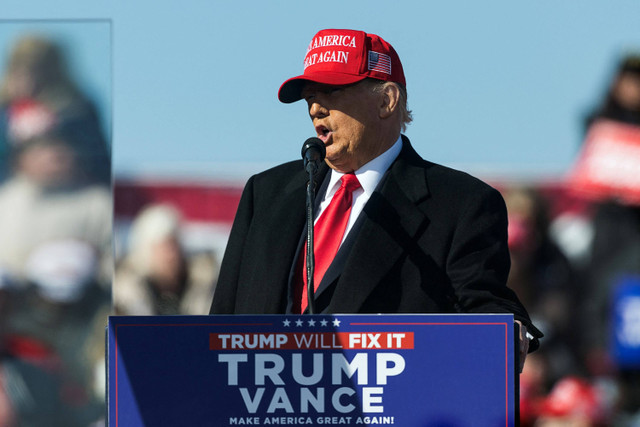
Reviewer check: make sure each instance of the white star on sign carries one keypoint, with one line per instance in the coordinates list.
(323, 322)
(336, 322)
(312, 322)
(299, 322)
(286, 322)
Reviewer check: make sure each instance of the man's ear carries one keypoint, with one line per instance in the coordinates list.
(389, 100)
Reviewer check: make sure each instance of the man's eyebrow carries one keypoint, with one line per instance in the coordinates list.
(310, 89)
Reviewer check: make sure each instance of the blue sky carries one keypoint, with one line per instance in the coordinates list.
(496, 87)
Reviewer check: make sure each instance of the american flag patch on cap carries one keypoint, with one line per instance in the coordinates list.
(379, 62)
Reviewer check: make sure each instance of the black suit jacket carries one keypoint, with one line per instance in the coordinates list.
(429, 240)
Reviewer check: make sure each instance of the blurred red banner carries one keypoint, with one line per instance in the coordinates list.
(608, 167)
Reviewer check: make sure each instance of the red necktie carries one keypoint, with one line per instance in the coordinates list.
(328, 232)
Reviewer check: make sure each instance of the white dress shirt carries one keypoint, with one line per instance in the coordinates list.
(369, 176)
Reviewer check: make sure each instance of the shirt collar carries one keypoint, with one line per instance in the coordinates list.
(370, 173)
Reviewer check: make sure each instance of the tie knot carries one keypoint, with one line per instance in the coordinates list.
(350, 182)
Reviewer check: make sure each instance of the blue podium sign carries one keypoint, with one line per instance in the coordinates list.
(402, 370)
(625, 339)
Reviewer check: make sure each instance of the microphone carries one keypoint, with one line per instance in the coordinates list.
(313, 152)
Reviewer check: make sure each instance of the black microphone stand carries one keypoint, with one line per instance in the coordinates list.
(313, 152)
(311, 260)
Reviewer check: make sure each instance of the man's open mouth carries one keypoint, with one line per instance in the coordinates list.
(323, 133)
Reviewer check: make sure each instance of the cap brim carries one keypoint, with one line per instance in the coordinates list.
(291, 90)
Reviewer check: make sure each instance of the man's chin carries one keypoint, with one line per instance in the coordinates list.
(339, 166)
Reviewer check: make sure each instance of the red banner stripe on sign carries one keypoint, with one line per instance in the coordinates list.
(312, 341)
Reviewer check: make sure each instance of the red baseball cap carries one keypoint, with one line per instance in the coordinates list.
(342, 57)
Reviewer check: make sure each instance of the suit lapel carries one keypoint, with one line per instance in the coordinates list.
(392, 219)
(287, 221)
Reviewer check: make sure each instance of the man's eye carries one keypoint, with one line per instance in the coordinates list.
(327, 91)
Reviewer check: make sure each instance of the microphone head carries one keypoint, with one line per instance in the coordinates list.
(313, 152)
(316, 145)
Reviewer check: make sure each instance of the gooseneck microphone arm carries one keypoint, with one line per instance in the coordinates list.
(313, 152)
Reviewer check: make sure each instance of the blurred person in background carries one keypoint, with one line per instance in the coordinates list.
(573, 402)
(157, 276)
(7, 412)
(622, 100)
(543, 277)
(607, 172)
(37, 73)
(56, 338)
(616, 218)
(43, 200)
(55, 243)
(54, 348)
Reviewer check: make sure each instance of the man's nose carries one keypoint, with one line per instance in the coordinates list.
(316, 110)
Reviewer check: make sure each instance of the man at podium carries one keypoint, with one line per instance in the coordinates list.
(394, 233)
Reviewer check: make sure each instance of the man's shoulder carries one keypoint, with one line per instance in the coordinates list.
(444, 179)
(441, 176)
(278, 178)
(284, 170)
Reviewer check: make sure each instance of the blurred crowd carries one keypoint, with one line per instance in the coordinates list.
(576, 267)
(55, 243)
(577, 270)
(57, 267)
